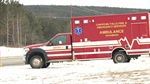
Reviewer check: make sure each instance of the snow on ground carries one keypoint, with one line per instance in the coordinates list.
(78, 72)
(100, 71)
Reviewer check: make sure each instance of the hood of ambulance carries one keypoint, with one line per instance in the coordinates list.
(34, 45)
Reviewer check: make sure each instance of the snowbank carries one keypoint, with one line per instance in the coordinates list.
(8, 51)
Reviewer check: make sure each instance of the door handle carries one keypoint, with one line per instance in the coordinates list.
(66, 47)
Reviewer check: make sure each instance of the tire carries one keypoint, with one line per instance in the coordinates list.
(46, 65)
(120, 57)
(36, 62)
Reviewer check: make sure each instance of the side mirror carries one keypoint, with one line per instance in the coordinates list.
(60, 42)
(50, 43)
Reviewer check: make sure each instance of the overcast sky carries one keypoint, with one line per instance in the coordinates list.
(144, 4)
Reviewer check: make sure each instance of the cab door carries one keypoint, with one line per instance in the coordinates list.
(59, 48)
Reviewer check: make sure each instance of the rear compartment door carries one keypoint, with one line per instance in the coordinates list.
(139, 32)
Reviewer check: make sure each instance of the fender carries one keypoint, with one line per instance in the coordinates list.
(39, 50)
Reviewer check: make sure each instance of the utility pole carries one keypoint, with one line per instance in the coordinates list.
(70, 16)
(70, 11)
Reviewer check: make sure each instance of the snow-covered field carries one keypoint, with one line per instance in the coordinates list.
(80, 72)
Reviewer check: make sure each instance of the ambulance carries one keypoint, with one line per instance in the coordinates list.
(119, 37)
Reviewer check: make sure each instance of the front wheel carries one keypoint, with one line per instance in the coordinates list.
(36, 62)
(120, 57)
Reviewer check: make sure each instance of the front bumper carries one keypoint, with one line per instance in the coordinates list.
(24, 55)
(24, 58)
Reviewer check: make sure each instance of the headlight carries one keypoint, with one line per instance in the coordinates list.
(25, 50)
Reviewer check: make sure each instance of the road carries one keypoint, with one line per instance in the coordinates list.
(9, 61)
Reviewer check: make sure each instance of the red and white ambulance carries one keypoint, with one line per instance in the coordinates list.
(119, 37)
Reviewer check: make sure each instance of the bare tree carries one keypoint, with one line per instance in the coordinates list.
(7, 24)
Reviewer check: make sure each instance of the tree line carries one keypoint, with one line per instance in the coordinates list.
(63, 12)
(20, 27)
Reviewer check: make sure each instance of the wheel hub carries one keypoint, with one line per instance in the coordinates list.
(36, 62)
(120, 58)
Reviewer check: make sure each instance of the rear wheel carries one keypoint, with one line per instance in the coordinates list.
(128, 59)
(36, 62)
(120, 57)
(46, 65)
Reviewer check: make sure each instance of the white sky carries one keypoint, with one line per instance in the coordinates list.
(144, 4)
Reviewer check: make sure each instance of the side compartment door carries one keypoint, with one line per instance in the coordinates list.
(135, 35)
(60, 48)
(78, 39)
(90, 33)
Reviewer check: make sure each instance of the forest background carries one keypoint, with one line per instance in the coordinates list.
(22, 25)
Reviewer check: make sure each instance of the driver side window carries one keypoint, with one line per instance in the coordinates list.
(59, 40)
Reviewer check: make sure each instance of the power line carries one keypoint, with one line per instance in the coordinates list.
(88, 10)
